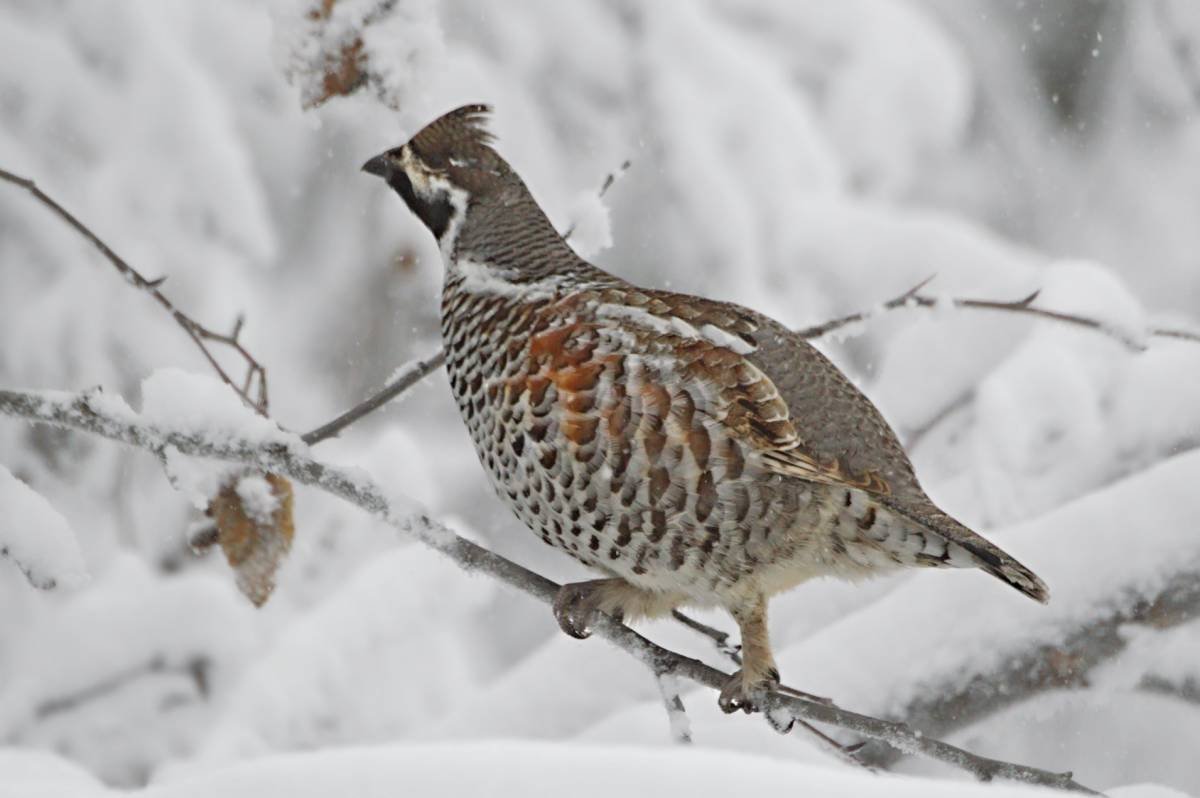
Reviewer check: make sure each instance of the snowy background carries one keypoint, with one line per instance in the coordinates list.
(809, 159)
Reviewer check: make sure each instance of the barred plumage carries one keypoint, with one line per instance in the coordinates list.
(692, 451)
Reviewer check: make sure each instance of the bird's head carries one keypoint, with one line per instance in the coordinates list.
(439, 171)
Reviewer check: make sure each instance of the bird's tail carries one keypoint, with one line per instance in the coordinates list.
(966, 548)
(1008, 570)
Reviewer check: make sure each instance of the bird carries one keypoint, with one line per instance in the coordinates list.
(691, 452)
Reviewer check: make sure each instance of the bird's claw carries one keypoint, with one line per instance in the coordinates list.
(744, 694)
(573, 611)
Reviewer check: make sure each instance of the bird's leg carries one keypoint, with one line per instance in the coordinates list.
(577, 603)
(746, 688)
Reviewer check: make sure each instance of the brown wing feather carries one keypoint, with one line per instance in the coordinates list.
(838, 435)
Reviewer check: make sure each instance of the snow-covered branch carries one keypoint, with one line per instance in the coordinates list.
(259, 444)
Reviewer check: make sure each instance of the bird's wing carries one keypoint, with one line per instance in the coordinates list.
(807, 419)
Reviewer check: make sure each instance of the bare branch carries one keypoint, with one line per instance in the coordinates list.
(255, 372)
(286, 454)
(407, 376)
(912, 298)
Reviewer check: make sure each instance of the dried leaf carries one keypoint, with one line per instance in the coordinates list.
(253, 516)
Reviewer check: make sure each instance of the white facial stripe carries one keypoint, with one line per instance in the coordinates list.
(430, 186)
(458, 200)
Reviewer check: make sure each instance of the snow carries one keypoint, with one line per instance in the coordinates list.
(591, 227)
(508, 768)
(258, 499)
(810, 160)
(197, 404)
(36, 538)
(135, 697)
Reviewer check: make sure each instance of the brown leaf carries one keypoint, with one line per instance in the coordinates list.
(343, 75)
(253, 515)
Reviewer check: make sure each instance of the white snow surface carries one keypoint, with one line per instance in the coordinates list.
(808, 159)
(507, 767)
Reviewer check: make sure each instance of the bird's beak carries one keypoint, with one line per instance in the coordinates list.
(377, 166)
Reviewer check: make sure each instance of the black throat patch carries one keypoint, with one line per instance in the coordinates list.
(436, 214)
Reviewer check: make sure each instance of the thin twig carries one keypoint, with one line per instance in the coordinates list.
(847, 753)
(407, 376)
(913, 298)
(609, 179)
(255, 372)
(818, 330)
(286, 454)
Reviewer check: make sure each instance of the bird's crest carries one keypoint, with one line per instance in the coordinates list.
(461, 133)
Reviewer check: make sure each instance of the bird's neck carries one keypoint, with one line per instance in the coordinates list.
(508, 232)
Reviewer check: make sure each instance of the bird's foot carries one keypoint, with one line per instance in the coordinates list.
(747, 693)
(576, 607)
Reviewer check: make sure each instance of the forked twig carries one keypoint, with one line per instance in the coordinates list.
(256, 373)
